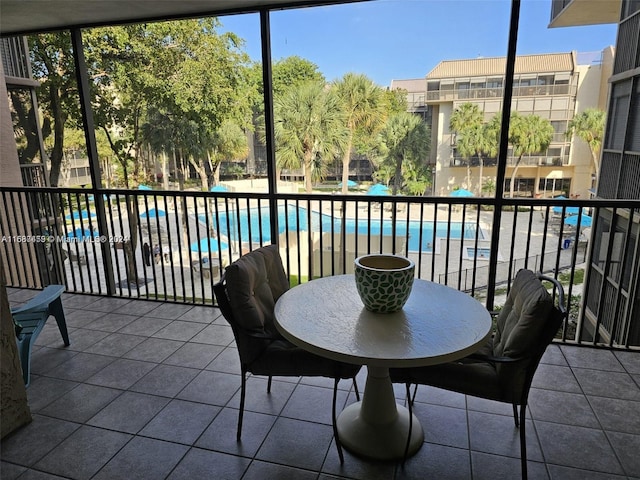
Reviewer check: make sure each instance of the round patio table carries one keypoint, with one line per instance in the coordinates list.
(438, 324)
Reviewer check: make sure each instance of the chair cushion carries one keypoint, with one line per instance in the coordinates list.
(254, 283)
(523, 318)
(282, 358)
(479, 379)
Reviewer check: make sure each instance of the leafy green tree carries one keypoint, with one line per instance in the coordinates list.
(291, 72)
(52, 64)
(589, 126)
(528, 135)
(363, 105)
(384, 173)
(158, 134)
(309, 125)
(182, 70)
(395, 100)
(406, 140)
(417, 178)
(229, 143)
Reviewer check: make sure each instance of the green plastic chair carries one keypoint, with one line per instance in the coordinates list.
(29, 320)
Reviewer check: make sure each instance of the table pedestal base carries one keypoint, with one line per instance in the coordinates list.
(377, 427)
(378, 441)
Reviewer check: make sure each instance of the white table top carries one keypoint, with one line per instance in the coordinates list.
(438, 324)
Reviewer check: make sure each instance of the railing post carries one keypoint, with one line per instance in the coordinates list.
(502, 152)
(265, 32)
(82, 80)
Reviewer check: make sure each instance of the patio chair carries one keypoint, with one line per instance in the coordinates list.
(503, 369)
(246, 294)
(29, 320)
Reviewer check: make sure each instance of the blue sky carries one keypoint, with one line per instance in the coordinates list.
(402, 39)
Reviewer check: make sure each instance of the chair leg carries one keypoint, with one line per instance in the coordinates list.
(355, 389)
(334, 420)
(55, 308)
(269, 384)
(515, 415)
(24, 347)
(410, 406)
(243, 389)
(415, 392)
(523, 442)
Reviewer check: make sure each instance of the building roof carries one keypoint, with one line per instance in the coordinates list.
(410, 85)
(477, 67)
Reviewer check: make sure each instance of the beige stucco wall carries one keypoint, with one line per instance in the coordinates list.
(590, 88)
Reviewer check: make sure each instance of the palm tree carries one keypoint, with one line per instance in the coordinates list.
(589, 126)
(384, 173)
(527, 134)
(364, 113)
(466, 122)
(309, 125)
(406, 138)
(489, 147)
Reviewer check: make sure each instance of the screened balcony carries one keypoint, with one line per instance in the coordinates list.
(149, 386)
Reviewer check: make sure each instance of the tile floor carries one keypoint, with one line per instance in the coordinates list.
(150, 391)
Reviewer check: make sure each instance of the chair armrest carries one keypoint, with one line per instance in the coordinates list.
(557, 286)
(262, 336)
(490, 358)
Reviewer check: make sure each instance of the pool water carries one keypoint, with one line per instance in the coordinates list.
(254, 226)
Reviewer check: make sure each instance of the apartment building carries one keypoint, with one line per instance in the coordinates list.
(612, 306)
(553, 86)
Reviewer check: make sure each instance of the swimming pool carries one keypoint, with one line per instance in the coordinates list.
(253, 225)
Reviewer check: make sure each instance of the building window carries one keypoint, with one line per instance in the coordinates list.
(545, 80)
(633, 143)
(552, 187)
(522, 187)
(617, 118)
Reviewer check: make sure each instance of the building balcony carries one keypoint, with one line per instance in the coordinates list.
(151, 390)
(149, 387)
(437, 96)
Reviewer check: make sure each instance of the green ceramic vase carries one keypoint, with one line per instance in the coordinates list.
(384, 281)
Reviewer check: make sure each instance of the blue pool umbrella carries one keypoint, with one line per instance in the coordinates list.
(585, 220)
(77, 215)
(378, 189)
(104, 197)
(144, 187)
(461, 192)
(153, 213)
(219, 188)
(350, 184)
(560, 197)
(82, 233)
(208, 244)
(567, 210)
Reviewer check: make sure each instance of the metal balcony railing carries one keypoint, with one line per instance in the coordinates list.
(173, 246)
(498, 92)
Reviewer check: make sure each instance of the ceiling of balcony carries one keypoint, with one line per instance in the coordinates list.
(587, 12)
(29, 16)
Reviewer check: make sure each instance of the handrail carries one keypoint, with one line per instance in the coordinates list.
(319, 234)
